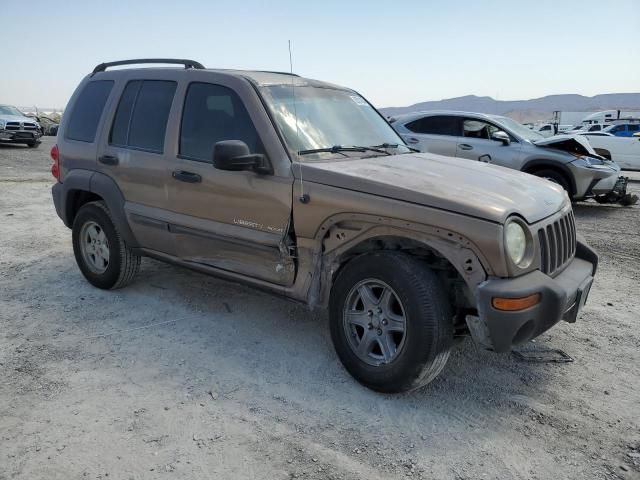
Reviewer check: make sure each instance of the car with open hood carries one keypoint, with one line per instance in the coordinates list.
(301, 188)
(567, 160)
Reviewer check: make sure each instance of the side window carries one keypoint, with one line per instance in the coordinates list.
(634, 127)
(478, 129)
(142, 115)
(545, 128)
(437, 125)
(84, 119)
(213, 113)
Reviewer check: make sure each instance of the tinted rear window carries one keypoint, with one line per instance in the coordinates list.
(142, 115)
(437, 125)
(87, 111)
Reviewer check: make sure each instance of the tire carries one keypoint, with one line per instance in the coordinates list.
(107, 271)
(554, 177)
(421, 350)
(33, 144)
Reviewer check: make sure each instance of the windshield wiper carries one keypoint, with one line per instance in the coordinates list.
(341, 149)
(395, 145)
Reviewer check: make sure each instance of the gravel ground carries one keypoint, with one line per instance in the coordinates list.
(186, 376)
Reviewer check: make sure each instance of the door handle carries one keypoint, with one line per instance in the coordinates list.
(412, 140)
(108, 160)
(465, 146)
(188, 177)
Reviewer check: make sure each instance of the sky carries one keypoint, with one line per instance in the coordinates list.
(395, 53)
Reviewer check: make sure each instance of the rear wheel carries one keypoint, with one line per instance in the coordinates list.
(101, 254)
(390, 321)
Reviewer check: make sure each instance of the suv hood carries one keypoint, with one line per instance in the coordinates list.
(463, 186)
(569, 143)
(17, 118)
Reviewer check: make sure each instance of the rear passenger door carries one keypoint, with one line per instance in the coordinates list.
(434, 134)
(133, 154)
(236, 221)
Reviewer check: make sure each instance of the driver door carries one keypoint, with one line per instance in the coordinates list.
(236, 221)
(476, 144)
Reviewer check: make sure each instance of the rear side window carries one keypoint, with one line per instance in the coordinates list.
(84, 119)
(633, 128)
(437, 125)
(213, 113)
(142, 115)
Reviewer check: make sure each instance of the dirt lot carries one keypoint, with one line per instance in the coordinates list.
(187, 376)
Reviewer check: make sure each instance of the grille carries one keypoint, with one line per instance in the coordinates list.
(19, 126)
(557, 243)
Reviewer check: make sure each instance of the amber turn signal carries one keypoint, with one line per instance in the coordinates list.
(515, 304)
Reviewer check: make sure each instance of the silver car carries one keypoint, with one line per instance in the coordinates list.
(15, 127)
(564, 159)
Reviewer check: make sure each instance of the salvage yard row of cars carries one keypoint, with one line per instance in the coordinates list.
(303, 189)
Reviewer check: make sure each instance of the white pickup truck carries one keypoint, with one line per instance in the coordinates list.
(625, 151)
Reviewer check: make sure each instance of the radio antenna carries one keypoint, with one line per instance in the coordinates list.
(304, 198)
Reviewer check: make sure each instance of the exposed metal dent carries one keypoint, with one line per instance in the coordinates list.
(343, 234)
(569, 143)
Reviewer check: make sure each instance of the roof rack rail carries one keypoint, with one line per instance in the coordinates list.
(187, 63)
(279, 73)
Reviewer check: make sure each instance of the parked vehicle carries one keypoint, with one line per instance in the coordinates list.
(548, 129)
(625, 151)
(588, 128)
(15, 127)
(595, 134)
(545, 130)
(565, 159)
(623, 129)
(301, 188)
(49, 126)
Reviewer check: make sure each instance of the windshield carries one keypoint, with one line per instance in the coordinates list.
(328, 118)
(518, 129)
(8, 110)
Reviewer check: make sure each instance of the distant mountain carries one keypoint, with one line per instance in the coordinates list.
(527, 110)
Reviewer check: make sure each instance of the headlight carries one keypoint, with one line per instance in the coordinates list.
(590, 162)
(516, 244)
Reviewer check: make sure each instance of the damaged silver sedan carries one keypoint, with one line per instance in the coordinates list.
(567, 160)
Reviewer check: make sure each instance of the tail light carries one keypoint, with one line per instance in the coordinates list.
(55, 165)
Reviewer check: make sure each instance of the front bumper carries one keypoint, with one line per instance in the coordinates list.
(561, 298)
(20, 136)
(594, 181)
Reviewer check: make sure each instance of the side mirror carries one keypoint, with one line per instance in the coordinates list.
(234, 155)
(501, 136)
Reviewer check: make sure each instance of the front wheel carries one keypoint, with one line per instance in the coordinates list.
(554, 177)
(101, 254)
(391, 322)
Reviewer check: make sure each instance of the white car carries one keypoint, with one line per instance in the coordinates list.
(625, 151)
